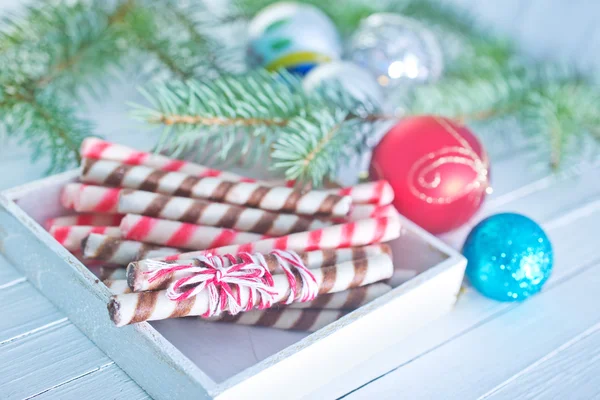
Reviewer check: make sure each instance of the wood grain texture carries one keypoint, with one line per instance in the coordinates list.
(569, 372)
(473, 364)
(9, 275)
(45, 359)
(109, 382)
(25, 311)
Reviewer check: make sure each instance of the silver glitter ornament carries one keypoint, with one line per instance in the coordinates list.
(399, 51)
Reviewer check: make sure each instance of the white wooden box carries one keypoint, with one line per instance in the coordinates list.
(189, 358)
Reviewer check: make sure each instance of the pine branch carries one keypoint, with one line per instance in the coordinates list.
(47, 65)
(71, 44)
(312, 149)
(174, 35)
(247, 118)
(48, 126)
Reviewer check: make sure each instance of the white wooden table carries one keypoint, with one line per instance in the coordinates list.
(547, 347)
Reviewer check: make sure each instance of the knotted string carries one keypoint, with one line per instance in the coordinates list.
(224, 283)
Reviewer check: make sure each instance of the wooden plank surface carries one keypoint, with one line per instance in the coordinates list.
(42, 353)
(26, 311)
(9, 276)
(46, 359)
(473, 364)
(109, 382)
(569, 372)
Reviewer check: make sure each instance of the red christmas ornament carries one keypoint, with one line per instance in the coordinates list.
(438, 169)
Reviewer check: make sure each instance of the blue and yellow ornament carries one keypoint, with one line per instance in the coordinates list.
(509, 257)
(293, 36)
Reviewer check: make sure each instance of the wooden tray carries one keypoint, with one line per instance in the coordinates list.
(189, 358)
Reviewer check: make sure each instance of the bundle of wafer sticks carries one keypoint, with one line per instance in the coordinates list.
(208, 243)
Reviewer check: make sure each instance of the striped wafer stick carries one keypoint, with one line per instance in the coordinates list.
(181, 234)
(285, 318)
(112, 273)
(70, 237)
(117, 286)
(363, 211)
(90, 198)
(121, 252)
(155, 305)
(203, 212)
(281, 199)
(349, 299)
(378, 192)
(98, 149)
(85, 219)
(138, 277)
(351, 234)
(87, 262)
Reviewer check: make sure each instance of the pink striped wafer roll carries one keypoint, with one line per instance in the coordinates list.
(90, 198)
(86, 219)
(181, 234)
(364, 211)
(379, 193)
(281, 199)
(121, 252)
(203, 212)
(70, 237)
(155, 305)
(351, 234)
(139, 278)
(285, 318)
(97, 149)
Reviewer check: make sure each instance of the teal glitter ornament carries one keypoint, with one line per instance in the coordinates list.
(509, 257)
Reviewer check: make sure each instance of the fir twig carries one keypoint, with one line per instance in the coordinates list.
(247, 118)
(70, 44)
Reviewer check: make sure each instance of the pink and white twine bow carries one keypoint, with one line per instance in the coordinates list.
(225, 283)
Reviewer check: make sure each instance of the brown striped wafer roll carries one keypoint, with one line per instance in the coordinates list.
(138, 277)
(90, 198)
(378, 192)
(136, 307)
(87, 262)
(98, 149)
(349, 299)
(181, 234)
(86, 219)
(117, 286)
(281, 199)
(121, 252)
(203, 212)
(70, 237)
(351, 234)
(324, 258)
(285, 318)
(106, 273)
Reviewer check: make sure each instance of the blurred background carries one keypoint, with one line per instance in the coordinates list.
(556, 31)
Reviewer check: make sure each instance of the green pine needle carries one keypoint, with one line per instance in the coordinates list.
(250, 118)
